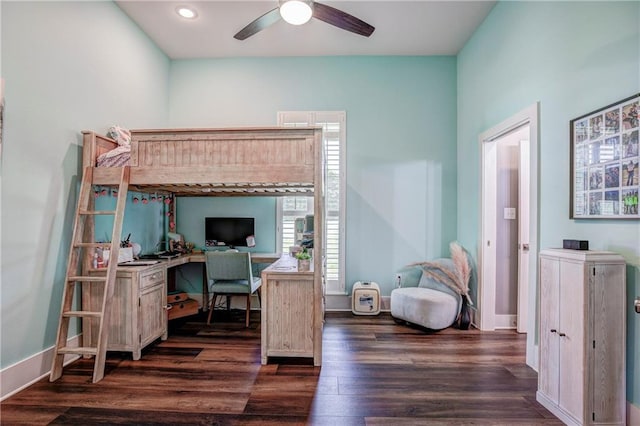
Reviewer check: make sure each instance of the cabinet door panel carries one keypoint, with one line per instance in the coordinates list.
(549, 319)
(571, 332)
(152, 313)
(121, 319)
(290, 312)
(607, 361)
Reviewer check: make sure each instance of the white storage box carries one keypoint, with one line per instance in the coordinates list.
(125, 254)
(365, 298)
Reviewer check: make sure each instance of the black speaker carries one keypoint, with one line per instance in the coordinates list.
(575, 244)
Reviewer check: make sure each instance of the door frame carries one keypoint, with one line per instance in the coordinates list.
(486, 290)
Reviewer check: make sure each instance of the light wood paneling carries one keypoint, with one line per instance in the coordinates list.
(290, 312)
(206, 162)
(138, 316)
(582, 305)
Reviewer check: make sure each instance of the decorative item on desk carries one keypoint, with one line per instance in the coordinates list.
(251, 241)
(304, 260)
(125, 254)
(137, 249)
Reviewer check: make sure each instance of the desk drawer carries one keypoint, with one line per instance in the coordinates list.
(152, 277)
(183, 309)
(177, 296)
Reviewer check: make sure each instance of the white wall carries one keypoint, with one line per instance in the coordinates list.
(68, 66)
(573, 57)
(400, 154)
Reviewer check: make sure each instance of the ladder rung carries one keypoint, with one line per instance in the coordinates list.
(82, 314)
(92, 244)
(96, 212)
(87, 279)
(79, 351)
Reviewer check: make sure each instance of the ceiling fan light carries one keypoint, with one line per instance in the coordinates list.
(296, 12)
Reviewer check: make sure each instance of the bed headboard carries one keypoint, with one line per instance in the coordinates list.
(93, 146)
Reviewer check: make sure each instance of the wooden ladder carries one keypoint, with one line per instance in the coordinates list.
(83, 250)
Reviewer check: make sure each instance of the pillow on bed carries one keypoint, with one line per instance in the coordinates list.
(120, 135)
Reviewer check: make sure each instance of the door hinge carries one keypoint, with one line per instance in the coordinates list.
(594, 344)
(139, 338)
(594, 271)
(593, 417)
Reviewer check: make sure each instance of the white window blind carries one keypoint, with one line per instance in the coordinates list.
(334, 135)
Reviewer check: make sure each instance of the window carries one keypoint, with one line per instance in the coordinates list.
(334, 134)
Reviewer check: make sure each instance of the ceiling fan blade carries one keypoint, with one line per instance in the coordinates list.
(341, 19)
(259, 24)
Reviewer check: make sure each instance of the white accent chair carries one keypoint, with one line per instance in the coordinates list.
(423, 301)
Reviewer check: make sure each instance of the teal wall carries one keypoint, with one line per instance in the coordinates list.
(144, 223)
(572, 57)
(401, 133)
(61, 75)
(405, 117)
(191, 212)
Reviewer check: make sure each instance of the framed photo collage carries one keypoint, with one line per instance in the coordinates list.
(605, 165)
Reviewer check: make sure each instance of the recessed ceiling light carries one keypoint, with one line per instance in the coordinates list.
(186, 12)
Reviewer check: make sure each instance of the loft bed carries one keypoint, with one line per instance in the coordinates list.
(268, 161)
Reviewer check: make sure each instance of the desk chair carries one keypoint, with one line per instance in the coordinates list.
(229, 273)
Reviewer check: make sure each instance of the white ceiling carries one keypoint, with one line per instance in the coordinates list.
(418, 27)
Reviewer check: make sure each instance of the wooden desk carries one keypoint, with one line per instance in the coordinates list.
(200, 258)
(292, 313)
(255, 258)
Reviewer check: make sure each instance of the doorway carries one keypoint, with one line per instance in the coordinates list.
(508, 249)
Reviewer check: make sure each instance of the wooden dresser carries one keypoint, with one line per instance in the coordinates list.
(581, 378)
(138, 310)
(292, 312)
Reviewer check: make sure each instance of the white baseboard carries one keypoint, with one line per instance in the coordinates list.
(342, 302)
(505, 322)
(23, 374)
(333, 302)
(633, 414)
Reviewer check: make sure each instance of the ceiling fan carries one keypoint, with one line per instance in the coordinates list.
(298, 12)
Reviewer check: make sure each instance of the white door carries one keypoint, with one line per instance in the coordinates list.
(524, 124)
(523, 237)
(506, 230)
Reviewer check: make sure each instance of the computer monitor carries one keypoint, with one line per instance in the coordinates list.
(228, 231)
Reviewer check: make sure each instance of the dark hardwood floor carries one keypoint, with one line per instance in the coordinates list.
(374, 372)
